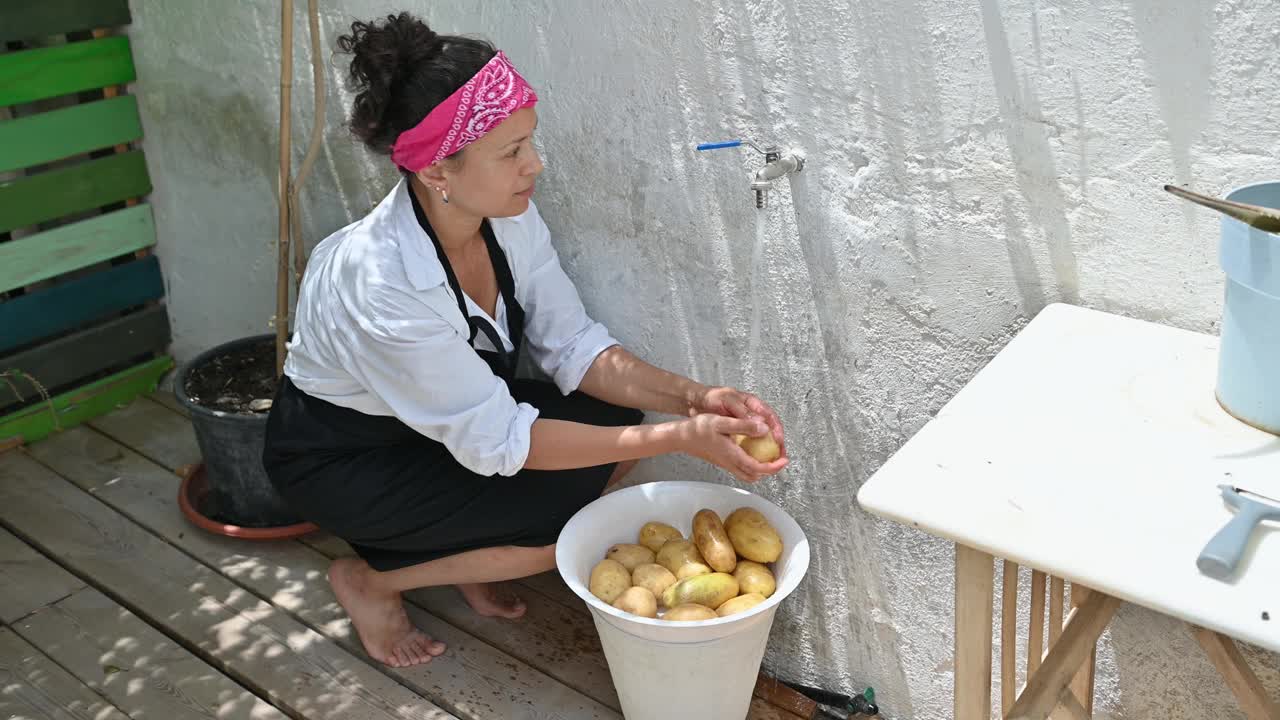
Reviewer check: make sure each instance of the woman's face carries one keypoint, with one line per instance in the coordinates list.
(494, 176)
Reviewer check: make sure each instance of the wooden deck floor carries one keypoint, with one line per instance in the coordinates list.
(112, 606)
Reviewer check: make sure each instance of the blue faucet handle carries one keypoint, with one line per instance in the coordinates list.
(720, 145)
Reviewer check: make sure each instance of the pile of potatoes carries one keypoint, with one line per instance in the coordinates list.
(721, 571)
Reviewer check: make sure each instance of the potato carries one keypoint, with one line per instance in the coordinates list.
(711, 590)
(689, 570)
(654, 578)
(712, 542)
(675, 553)
(689, 613)
(742, 603)
(753, 577)
(655, 534)
(763, 449)
(609, 579)
(631, 556)
(752, 535)
(637, 601)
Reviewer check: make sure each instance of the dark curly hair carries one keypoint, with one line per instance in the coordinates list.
(400, 70)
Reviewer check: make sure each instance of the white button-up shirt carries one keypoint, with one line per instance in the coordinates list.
(377, 329)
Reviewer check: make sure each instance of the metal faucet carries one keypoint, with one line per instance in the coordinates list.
(777, 164)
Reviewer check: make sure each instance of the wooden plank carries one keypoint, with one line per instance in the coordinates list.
(33, 687)
(57, 134)
(71, 408)
(761, 710)
(169, 400)
(30, 19)
(784, 697)
(1065, 657)
(29, 580)
(133, 665)
(68, 305)
(33, 199)
(302, 672)
(1057, 592)
(29, 75)
(473, 678)
(1082, 684)
(1035, 635)
(1248, 690)
(1009, 637)
(71, 247)
(60, 362)
(153, 431)
(975, 593)
(563, 643)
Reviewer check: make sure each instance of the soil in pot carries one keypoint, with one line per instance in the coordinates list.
(240, 381)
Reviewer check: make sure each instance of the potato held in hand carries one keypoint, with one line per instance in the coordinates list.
(654, 578)
(609, 579)
(752, 535)
(689, 613)
(753, 577)
(631, 556)
(742, 603)
(638, 601)
(655, 534)
(763, 449)
(676, 553)
(712, 542)
(711, 591)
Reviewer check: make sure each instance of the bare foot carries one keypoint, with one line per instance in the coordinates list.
(380, 619)
(493, 600)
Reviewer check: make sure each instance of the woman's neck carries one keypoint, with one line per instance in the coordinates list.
(454, 228)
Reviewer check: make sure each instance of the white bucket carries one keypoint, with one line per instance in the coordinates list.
(663, 670)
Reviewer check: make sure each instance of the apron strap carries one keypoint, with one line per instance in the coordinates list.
(506, 286)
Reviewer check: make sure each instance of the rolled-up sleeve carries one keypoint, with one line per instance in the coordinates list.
(435, 383)
(563, 340)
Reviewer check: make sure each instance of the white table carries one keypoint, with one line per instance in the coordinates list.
(1090, 449)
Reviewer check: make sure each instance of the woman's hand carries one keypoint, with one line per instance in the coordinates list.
(732, 402)
(709, 436)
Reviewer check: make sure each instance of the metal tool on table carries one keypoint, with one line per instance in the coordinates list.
(1220, 557)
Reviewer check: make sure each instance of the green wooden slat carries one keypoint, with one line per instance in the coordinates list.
(68, 305)
(72, 358)
(77, 406)
(57, 134)
(30, 200)
(25, 19)
(71, 247)
(29, 75)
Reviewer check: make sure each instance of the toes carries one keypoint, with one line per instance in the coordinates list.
(436, 648)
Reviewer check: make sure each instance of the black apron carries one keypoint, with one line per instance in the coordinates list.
(400, 498)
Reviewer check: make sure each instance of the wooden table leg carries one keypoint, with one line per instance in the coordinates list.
(1050, 685)
(1082, 685)
(975, 593)
(1248, 690)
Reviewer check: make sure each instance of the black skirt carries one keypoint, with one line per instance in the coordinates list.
(400, 499)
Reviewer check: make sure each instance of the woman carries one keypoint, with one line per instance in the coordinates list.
(399, 425)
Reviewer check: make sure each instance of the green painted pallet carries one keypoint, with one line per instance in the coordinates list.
(26, 201)
(53, 252)
(30, 75)
(32, 19)
(69, 409)
(74, 130)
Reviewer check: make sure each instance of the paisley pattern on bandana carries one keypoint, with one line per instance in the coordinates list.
(481, 104)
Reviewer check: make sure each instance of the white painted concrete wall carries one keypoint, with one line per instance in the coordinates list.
(969, 162)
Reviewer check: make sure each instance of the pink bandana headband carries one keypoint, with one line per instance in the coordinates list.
(484, 101)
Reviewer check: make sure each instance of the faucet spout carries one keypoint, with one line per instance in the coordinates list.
(785, 165)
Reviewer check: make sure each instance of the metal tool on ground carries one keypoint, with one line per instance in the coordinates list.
(849, 706)
(1222, 554)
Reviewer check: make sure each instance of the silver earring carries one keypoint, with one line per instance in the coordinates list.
(443, 194)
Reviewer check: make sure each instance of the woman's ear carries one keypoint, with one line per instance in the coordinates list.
(433, 177)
